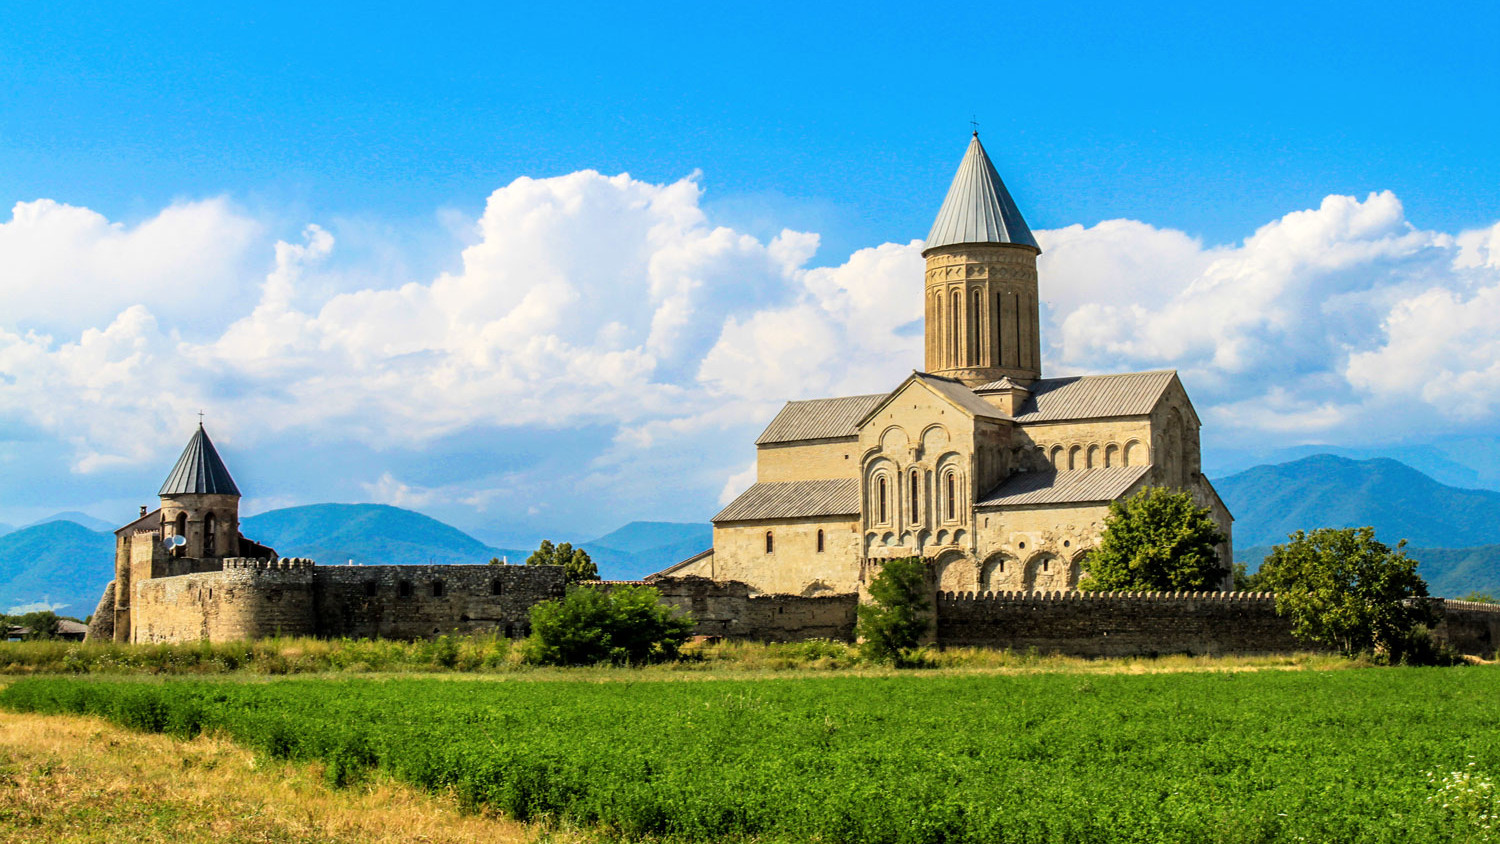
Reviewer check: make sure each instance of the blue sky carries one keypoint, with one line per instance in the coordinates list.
(199, 138)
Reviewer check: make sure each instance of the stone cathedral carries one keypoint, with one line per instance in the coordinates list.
(1001, 478)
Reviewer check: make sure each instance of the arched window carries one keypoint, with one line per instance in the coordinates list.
(210, 535)
(770, 543)
(974, 323)
(820, 540)
(495, 587)
(952, 497)
(955, 321)
(937, 309)
(915, 494)
(437, 588)
(881, 495)
(180, 530)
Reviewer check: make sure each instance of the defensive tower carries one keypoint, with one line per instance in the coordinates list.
(981, 292)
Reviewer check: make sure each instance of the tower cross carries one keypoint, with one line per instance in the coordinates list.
(974, 124)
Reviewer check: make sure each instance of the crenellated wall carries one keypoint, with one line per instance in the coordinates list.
(1096, 624)
(1471, 627)
(727, 609)
(253, 598)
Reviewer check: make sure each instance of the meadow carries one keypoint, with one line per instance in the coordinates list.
(1366, 754)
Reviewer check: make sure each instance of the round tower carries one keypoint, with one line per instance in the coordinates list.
(983, 317)
(200, 503)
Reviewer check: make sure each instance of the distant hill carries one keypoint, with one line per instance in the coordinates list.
(60, 563)
(1454, 534)
(77, 518)
(1270, 502)
(642, 548)
(370, 534)
(5, 528)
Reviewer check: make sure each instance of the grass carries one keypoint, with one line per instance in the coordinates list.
(955, 755)
(492, 655)
(72, 779)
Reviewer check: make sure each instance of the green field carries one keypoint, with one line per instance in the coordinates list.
(1353, 755)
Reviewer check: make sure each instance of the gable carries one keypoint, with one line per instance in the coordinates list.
(946, 391)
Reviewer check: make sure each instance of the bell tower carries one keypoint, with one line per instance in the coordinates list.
(200, 503)
(983, 317)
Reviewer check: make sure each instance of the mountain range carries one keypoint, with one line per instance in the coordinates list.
(1453, 532)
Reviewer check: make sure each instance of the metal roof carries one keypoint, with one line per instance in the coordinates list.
(956, 392)
(150, 521)
(199, 471)
(1090, 396)
(793, 500)
(978, 208)
(1077, 486)
(818, 419)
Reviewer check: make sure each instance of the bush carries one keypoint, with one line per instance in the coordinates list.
(624, 625)
(893, 625)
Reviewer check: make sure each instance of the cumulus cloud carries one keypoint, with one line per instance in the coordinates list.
(1318, 322)
(608, 303)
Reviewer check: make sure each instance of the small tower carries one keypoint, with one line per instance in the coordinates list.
(982, 311)
(200, 502)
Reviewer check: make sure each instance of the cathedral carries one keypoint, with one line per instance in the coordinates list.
(997, 476)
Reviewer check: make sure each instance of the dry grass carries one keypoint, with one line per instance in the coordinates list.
(69, 779)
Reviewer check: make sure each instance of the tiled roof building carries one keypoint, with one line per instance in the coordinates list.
(999, 477)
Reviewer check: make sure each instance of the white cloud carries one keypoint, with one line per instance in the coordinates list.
(68, 268)
(590, 301)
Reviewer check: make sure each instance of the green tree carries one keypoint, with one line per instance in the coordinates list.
(591, 624)
(1346, 589)
(899, 614)
(1245, 581)
(577, 566)
(1479, 597)
(38, 625)
(1157, 540)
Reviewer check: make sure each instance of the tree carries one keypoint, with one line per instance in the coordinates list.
(1344, 588)
(899, 614)
(1157, 540)
(38, 625)
(577, 567)
(622, 625)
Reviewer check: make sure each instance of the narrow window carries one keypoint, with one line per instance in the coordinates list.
(770, 543)
(437, 588)
(915, 493)
(952, 499)
(1044, 565)
(210, 535)
(370, 589)
(882, 500)
(495, 586)
(403, 589)
(975, 321)
(956, 322)
(820, 540)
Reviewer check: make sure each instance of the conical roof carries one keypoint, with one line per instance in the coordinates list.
(199, 471)
(978, 208)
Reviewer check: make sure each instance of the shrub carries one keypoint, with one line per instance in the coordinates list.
(899, 616)
(622, 625)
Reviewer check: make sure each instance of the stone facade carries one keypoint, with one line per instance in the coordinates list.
(997, 476)
(252, 598)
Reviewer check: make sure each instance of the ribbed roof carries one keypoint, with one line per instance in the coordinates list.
(1090, 396)
(1079, 486)
(818, 419)
(978, 208)
(199, 471)
(962, 396)
(793, 500)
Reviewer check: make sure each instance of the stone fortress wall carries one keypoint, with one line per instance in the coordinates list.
(254, 598)
(257, 598)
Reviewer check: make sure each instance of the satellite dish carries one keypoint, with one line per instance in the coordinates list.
(175, 541)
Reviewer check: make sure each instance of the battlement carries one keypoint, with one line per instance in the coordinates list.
(275, 564)
(1078, 595)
